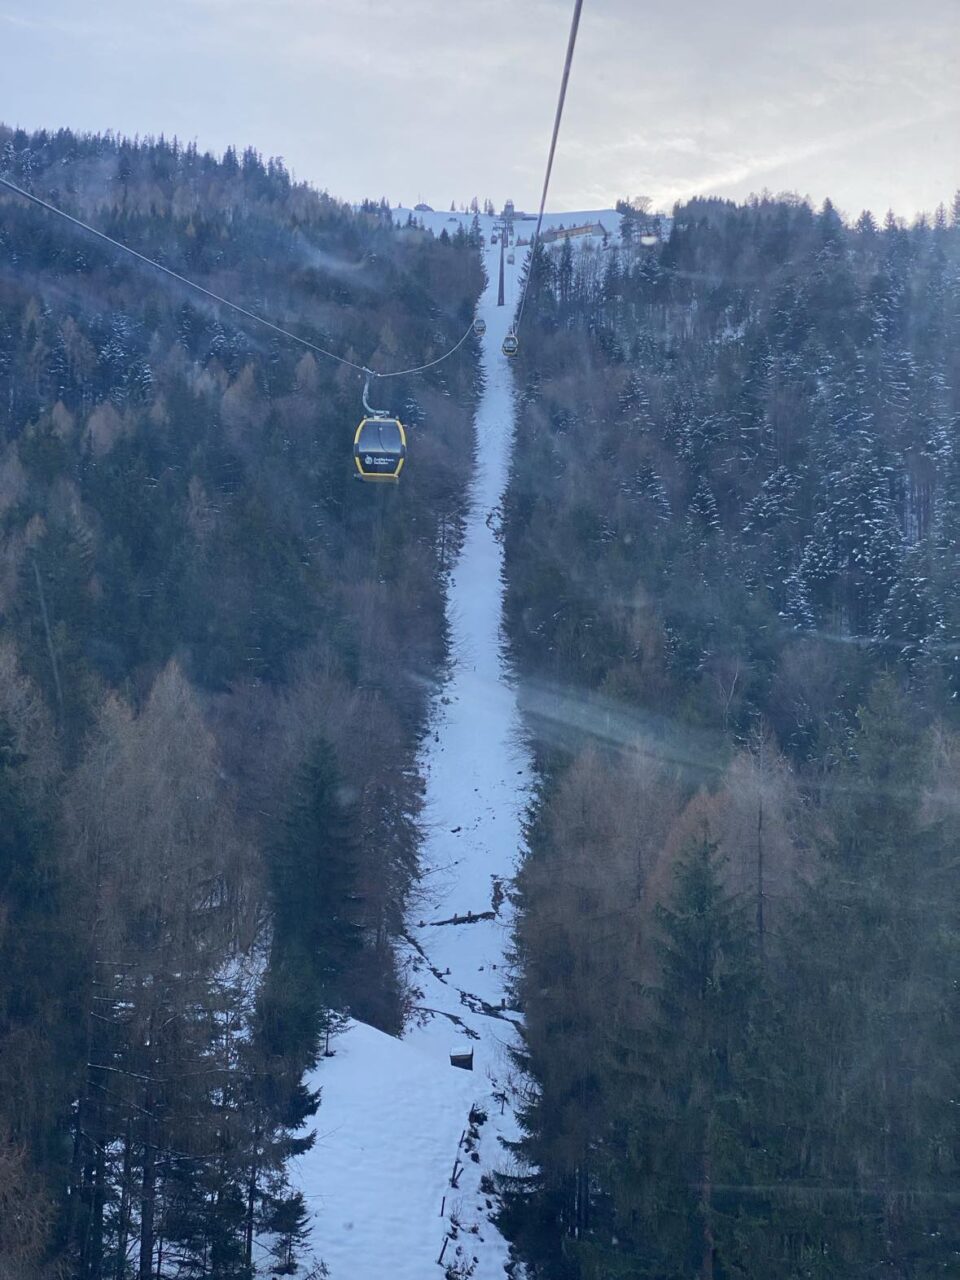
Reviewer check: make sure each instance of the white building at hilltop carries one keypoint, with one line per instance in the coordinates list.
(573, 233)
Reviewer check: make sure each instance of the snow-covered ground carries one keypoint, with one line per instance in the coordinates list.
(439, 220)
(394, 1127)
(387, 1133)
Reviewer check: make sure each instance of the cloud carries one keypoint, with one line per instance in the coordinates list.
(451, 99)
(740, 169)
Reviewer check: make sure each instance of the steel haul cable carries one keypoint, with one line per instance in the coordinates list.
(568, 61)
(216, 297)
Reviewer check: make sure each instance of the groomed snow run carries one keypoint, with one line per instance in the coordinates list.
(393, 1112)
(387, 1131)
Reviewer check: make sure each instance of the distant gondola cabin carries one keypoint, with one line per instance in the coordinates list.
(379, 449)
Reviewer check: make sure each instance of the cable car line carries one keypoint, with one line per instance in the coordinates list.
(399, 373)
(568, 61)
(380, 439)
(216, 297)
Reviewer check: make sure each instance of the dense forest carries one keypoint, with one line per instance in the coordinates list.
(215, 656)
(732, 562)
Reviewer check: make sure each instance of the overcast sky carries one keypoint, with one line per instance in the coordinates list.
(441, 100)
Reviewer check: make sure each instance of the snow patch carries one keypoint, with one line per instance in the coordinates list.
(406, 1140)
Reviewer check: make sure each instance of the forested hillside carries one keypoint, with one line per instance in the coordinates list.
(215, 652)
(731, 543)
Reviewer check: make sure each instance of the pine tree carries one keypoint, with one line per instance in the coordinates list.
(565, 277)
(703, 508)
(852, 556)
(871, 1058)
(40, 978)
(676, 1151)
(911, 624)
(628, 222)
(313, 873)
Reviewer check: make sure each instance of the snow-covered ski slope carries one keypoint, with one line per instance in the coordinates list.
(438, 220)
(393, 1112)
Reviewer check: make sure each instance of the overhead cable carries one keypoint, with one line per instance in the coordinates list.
(216, 297)
(568, 61)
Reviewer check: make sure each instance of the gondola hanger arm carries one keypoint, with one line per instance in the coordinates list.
(371, 412)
